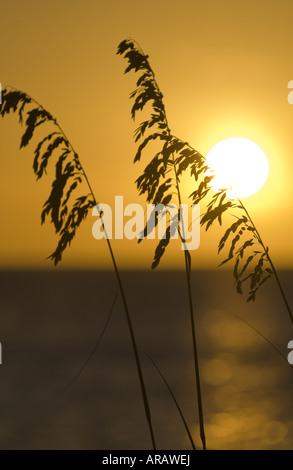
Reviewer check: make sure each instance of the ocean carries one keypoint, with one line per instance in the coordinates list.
(49, 326)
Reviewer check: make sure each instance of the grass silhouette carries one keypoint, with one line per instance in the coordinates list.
(72, 198)
(66, 213)
(160, 180)
(160, 183)
(253, 264)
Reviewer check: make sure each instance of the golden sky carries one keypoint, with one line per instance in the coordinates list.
(223, 67)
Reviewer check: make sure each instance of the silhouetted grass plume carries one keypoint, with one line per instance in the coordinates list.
(160, 180)
(71, 195)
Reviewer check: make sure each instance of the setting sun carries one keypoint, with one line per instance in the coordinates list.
(238, 164)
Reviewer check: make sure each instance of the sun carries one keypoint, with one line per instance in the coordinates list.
(239, 164)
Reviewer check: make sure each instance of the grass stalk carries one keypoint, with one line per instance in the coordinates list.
(129, 322)
(118, 277)
(175, 401)
(187, 259)
(269, 260)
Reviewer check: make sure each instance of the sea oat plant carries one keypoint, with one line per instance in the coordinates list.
(160, 180)
(71, 198)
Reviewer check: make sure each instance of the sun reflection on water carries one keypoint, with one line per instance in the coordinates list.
(245, 387)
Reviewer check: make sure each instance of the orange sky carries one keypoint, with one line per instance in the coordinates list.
(223, 67)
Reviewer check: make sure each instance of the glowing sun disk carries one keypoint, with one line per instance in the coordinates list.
(238, 164)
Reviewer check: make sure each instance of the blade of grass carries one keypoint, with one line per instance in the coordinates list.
(266, 339)
(77, 375)
(269, 260)
(175, 401)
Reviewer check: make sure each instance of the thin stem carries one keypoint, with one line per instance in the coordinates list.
(187, 259)
(175, 401)
(195, 353)
(121, 288)
(93, 350)
(266, 339)
(269, 260)
(280, 287)
(128, 318)
(137, 360)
